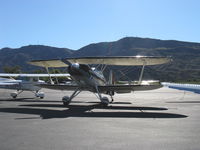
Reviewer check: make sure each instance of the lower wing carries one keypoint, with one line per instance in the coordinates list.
(104, 89)
(127, 88)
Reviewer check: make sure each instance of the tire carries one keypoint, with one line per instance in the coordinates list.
(104, 101)
(65, 103)
(14, 97)
(66, 100)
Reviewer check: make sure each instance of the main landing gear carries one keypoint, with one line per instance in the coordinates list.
(37, 94)
(104, 100)
(15, 94)
(66, 99)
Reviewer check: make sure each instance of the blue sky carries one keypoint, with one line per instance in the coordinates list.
(77, 23)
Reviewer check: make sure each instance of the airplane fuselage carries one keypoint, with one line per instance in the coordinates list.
(21, 85)
(29, 86)
(85, 76)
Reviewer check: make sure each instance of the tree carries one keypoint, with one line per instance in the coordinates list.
(14, 69)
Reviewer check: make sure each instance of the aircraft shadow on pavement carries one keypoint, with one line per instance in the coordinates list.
(186, 102)
(87, 111)
(27, 100)
(46, 101)
(97, 106)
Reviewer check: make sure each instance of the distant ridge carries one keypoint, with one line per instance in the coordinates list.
(186, 56)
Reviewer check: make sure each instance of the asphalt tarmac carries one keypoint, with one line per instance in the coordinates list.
(158, 119)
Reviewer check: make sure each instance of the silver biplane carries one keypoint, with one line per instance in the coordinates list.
(88, 78)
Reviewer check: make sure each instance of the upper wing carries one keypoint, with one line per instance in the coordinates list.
(48, 63)
(32, 75)
(114, 60)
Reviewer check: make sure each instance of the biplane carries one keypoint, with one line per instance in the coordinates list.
(88, 78)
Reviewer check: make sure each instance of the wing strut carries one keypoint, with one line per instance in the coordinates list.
(141, 74)
(49, 75)
(110, 81)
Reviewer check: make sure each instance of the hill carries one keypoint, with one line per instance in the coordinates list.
(20, 56)
(185, 55)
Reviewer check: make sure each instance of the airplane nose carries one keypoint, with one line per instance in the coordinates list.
(75, 66)
(74, 69)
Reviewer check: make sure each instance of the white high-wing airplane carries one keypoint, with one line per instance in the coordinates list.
(186, 87)
(90, 79)
(25, 82)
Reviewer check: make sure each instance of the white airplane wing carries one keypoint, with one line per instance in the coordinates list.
(113, 60)
(33, 75)
(7, 83)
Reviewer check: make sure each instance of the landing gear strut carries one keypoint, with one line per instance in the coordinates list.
(104, 100)
(15, 94)
(66, 99)
(111, 93)
(111, 99)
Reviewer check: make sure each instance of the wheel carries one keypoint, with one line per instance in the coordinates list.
(13, 95)
(104, 101)
(40, 95)
(66, 100)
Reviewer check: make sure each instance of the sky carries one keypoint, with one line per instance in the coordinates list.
(76, 23)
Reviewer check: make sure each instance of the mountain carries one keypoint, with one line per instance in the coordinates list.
(185, 55)
(20, 56)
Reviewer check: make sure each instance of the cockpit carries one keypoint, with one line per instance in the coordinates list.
(97, 72)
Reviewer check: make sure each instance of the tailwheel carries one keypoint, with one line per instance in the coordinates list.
(66, 100)
(104, 101)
